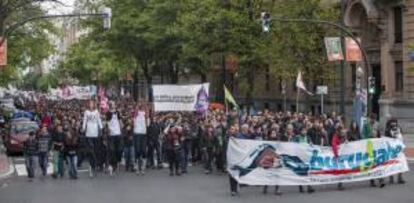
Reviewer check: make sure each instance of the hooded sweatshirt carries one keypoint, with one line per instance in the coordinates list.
(92, 123)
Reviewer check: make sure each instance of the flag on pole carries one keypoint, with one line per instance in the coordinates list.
(300, 84)
(334, 48)
(229, 98)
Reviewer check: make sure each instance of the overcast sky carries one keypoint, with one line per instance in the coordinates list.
(56, 8)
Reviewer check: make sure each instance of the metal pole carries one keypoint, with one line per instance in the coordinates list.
(343, 62)
(346, 32)
(321, 104)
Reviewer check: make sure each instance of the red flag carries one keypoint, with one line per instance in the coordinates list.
(353, 52)
(3, 53)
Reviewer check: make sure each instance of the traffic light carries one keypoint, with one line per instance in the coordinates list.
(372, 85)
(266, 20)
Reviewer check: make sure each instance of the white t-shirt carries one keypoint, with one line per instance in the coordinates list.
(114, 126)
(92, 123)
(140, 124)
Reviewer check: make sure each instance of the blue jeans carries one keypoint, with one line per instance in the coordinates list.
(185, 155)
(43, 162)
(73, 161)
(129, 157)
(92, 151)
(58, 163)
(140, 145)
(30, 165)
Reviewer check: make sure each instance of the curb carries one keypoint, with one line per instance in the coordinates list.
(8, 173)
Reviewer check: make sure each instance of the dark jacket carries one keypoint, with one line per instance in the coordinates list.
(58, 140)
(154, 131)
(45, 143)
(31, 147)
(71, 145)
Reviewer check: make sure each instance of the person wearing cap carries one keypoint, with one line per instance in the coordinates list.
(30, 149)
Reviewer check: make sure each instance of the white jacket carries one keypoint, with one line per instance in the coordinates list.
(92, 123)
(140, 123)
(114, 125)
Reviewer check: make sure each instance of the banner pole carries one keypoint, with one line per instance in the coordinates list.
(321, 104)
(297, 101)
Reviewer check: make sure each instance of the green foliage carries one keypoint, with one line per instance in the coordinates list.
(174, 37)
(29, 44)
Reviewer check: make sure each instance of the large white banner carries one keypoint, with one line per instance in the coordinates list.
(280, 163)
(181, 97)
(72, 92)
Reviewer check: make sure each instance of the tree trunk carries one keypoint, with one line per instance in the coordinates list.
(148, 78)
(135, 85)
(203, 77)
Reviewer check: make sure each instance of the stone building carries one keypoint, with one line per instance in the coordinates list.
(386, 29)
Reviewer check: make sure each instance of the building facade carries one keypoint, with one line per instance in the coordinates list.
(386, 29)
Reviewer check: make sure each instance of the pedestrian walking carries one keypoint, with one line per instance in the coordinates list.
(114, 127)
(45, 143)
(173, 146)
(71, 146)
(92, 127)
(57, 151)
(30, 149)
(140, 138)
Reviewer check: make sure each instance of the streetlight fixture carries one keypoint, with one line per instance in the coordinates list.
(105, 12)
(342, 28)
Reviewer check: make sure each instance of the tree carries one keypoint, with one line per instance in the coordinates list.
(28, 44)
(173, 38)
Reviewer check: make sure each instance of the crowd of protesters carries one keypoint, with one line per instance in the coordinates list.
(75, 131)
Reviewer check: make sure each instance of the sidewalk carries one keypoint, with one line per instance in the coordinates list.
(6, 168)
(409, 142)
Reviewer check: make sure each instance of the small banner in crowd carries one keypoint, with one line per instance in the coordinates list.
(334, 48)
(181, 97)
(283, 163)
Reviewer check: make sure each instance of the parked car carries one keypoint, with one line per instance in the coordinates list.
(19, 132)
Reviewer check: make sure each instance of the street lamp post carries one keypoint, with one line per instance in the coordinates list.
(347, 32)
(106, 13)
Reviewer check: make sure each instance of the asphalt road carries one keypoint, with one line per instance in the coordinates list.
(156, 187)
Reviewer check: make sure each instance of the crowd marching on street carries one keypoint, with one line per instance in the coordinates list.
(73, 132)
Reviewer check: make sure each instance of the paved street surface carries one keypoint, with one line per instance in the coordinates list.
(195, 187)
